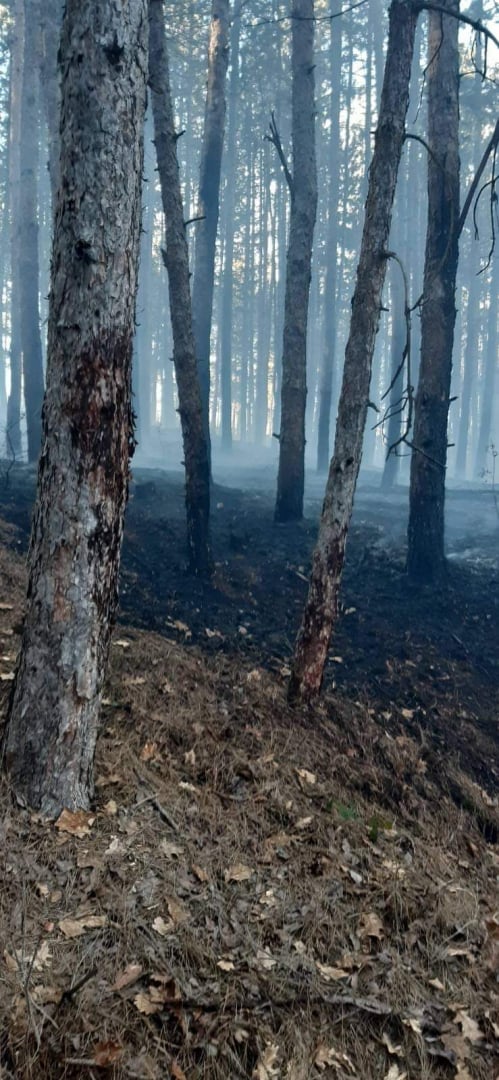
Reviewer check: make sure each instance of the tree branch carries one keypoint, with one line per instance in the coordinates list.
(275, 139)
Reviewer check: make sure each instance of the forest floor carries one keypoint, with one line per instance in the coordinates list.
(261, 892)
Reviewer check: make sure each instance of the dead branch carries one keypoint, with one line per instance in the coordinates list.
(405, 403)
(275, 139)
(475, 23)
(491, 147)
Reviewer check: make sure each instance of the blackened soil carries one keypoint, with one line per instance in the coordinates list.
(430, 657)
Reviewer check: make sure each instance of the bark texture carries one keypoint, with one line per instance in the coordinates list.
(209, 197)
(322, 602)
(29, 266)
(83, 473)
(291, 473)
(425, 555)
(197, 472)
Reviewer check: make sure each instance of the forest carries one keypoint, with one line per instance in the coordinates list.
(249, 526)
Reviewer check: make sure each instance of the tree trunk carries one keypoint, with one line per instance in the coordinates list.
(322, 602)
(31, 340)
(330, 312)
(425, 556)
(197, 475)
(51, 17)
(230, 202)
(13, 423)
(291, 474)
(490, 373)
(83, 474)
(209, 199)
(396, 378)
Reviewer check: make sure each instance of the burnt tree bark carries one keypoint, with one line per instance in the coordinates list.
(176, 255)
(74, 556)
(29, 267)
(209, 199)
(322, 602)
(303, 186)
(425, 554)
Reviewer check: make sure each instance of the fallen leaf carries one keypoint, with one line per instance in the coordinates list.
(107, 1054)
(226, 965)
(190, 757)
(178, 912)
(36, 959)
(6, 676)
(267, 1068)
(144, 1004)
(394, 1073)
(10, 962)
(199, 873)
(122, 644)
(131, 973)
(177, 1072)
(370, 925)
(172, 851)
(469, 1027)
(265, 960)
(161, 927)
(327, 1055)
(111, 808)
(306, 777)
(75, 822)
(149, 751)
(331, 974)
(73, 928)
(134, 680)
(239, 872)
(437, 984)
(46, 995)
(304, 822)
(6, 607)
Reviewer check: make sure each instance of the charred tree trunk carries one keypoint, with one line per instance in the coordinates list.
(13, 423)
(425, 556)
(176, 255)
(29, 270)
(291, 474)
(83, 474)
(209, 199)
(322, 603)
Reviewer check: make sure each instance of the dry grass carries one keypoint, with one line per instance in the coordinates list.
(301, 895)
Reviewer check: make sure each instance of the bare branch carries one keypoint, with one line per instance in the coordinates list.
(475, 23)
(275, 139)
(491, 147)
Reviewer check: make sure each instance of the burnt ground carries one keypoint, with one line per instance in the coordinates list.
(262, 892)
(433, 653)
